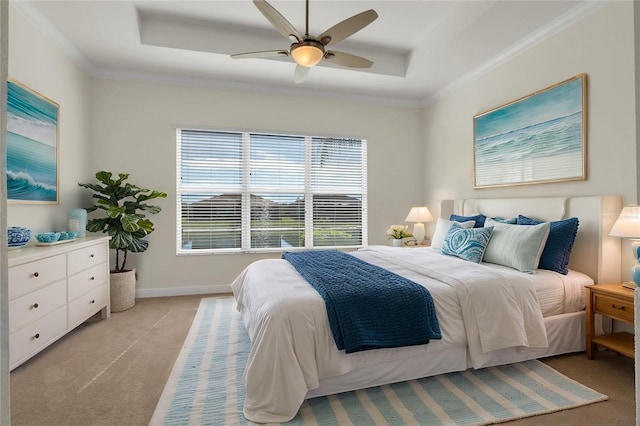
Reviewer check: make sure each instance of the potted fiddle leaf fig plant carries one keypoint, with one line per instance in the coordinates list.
(124, 207)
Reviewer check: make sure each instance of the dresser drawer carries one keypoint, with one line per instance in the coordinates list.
(37, 335)
(87, 257)
(87, 305)
(87, 280)
(31, 276)
(614, 308)
(33, 306)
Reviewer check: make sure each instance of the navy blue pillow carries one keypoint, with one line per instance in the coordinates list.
(557, 251)
(479, 218)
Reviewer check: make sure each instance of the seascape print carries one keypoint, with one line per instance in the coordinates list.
(539, 138)
(32, 145)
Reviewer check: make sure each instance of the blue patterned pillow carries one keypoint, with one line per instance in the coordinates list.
(557, 251)
(467, 244)
(479, 219)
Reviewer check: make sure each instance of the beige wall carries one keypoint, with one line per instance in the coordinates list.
(600, 45)
(133, 130)
(36, 63)
(130, 127)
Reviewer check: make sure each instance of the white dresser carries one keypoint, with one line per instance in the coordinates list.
(54, 289)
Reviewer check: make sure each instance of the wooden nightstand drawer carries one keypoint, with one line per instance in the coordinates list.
(614, 308)
(613, 301)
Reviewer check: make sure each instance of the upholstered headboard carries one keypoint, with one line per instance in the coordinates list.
(594, 252)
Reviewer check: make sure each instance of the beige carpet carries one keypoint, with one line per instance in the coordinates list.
(113, 372)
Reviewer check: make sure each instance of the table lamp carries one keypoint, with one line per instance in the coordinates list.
(628, 226)
(419, 215)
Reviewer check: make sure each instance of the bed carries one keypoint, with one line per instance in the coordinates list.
(294, 355)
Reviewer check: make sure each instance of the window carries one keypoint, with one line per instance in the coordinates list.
(241, 191)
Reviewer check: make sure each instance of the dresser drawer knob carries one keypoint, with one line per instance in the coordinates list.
(93, 278)
(37, 336)
(93, 301)
(35, 305)
(617, 307)
(91, 255)
(35, 274)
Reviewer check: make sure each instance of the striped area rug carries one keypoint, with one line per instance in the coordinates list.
(206, 387)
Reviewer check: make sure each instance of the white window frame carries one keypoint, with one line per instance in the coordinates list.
(246, 190)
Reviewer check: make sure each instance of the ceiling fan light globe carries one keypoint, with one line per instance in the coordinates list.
(307, 53)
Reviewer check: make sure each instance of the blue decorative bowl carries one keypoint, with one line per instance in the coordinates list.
(17, 236)
(69, 235)
(48, 237)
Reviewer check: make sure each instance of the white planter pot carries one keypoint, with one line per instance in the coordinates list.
(122, 286)
(397, 243)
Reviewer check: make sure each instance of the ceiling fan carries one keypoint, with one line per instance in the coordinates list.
(307, 51)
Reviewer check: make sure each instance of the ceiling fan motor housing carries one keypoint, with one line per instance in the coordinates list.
(308, 52)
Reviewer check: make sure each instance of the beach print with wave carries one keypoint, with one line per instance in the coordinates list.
(32, 140)
(536, 139)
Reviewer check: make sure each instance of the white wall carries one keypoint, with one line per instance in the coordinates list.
(133, 131)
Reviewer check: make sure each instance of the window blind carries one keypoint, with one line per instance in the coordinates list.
(243, 191)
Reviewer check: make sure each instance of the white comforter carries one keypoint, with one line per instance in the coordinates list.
(292, 347)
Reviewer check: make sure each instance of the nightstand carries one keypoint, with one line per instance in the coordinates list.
(613, 301)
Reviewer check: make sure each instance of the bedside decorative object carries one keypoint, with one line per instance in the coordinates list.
(628, 226)
(419, 215)
(18, 236)
(78, 222)
(397, 233)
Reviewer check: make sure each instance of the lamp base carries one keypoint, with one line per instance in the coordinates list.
(635, 273)
(418, 232)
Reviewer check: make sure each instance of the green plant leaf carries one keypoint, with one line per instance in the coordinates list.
(123, 205)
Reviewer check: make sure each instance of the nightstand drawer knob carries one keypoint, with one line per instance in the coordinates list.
(617, 307)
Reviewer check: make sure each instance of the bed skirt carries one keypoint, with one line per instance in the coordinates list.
(565, 333)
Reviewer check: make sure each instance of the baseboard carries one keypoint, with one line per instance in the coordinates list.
(182, 291)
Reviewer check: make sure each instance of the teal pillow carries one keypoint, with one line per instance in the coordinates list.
(468, 244)
(518, 247)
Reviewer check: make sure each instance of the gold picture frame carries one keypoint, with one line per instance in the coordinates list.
(538, 138)
(32, 146)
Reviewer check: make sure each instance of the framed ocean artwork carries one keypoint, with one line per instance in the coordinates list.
(32, 146)
(539, 138)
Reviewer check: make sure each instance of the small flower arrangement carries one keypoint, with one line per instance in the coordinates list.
(398, 232)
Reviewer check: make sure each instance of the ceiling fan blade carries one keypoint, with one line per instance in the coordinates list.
(278, 21)
(263, 54)
(300, 74)
(347, 27)
(347, 59)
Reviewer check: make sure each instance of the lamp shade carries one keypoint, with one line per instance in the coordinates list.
(419, 214)
(307, 53)
(628, 223)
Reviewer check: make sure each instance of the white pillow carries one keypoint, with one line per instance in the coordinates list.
(442, 227)
(516, 246)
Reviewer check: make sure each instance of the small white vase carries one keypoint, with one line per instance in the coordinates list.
(397, 243)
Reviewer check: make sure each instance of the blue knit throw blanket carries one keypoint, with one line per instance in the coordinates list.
(368, 306)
